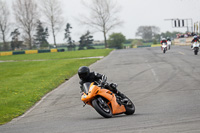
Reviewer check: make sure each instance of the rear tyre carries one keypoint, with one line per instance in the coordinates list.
(130, 108)
(195, 52)
(102, 107)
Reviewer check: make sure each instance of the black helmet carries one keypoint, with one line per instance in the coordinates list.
(83, 72)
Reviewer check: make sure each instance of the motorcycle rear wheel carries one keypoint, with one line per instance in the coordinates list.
(195, 52)
(103, 110)
(130, 109)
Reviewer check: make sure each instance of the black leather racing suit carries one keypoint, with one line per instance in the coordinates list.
(93, 76)
(195, 40)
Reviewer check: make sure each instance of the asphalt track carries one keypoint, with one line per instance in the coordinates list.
(164, 87)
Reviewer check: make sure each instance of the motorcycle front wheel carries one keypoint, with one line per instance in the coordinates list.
(164, 50)
(102, 107)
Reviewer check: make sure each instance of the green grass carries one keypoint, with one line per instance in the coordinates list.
(23, 83)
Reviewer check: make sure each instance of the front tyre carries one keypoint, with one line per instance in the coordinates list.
(102, 107)
(164, 50)
(130, 108)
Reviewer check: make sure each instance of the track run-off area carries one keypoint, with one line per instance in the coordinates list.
(165, 89)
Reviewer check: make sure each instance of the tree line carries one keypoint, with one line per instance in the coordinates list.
(152, 34)
(27, 14)
(36, 20)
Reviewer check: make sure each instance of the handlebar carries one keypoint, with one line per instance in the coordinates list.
(101, 83)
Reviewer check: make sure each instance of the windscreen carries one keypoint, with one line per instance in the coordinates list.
(86, 87)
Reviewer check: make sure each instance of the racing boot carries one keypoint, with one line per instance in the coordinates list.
(123, 97)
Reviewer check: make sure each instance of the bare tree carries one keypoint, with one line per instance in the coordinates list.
(4, 21)
(53, 14)
(103, 16)
(26, 14)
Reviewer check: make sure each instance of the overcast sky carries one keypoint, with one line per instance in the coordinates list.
(134, 13)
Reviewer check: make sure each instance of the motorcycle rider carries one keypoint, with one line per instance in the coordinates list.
(168, 39)
(195, 39)
(169, 42)
(163, 41)
(86, 76)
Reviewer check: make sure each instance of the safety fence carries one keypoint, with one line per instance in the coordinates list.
(31, 52)
(141, 46)
(183, 41)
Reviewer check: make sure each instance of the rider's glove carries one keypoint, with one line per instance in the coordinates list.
(113, 85)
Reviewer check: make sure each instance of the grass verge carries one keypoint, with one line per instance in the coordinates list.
(22, 84)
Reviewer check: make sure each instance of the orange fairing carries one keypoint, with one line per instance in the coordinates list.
(98, 91)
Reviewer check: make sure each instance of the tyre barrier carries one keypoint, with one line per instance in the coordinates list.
(55, 50)
(6, 53)
(31, 52)
(61, 50)
(18, 52)
(44, 51)
(142, 46)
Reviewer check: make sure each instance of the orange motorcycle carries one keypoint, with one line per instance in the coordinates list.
(105, 102)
